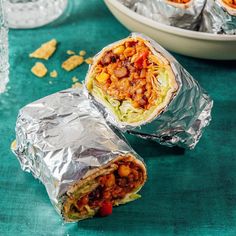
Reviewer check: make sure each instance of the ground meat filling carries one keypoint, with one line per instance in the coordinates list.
(231, 3)
(128, 72)
(114, 186)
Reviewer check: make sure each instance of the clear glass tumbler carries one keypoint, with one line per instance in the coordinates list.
(4, 65)
(33, 13)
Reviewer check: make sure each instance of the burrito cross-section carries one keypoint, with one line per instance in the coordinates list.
(142, 89)
(86, 166)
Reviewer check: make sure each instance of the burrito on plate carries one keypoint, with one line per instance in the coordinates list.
(142, 89)
(219, 16)
(179, 13)
(85, 165)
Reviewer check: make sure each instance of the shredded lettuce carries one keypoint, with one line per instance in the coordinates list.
(129, 198)
(125, 111)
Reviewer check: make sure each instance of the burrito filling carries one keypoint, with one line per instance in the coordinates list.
(179, 1)
(118, 184)
(133, 80)
(230, 3)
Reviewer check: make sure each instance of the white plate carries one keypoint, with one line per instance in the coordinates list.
(186, 42)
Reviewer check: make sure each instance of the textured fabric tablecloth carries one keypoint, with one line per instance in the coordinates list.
(191, 193)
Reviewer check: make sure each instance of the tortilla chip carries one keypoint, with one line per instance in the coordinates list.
(72, 62)
(45, 51)
(39, 69)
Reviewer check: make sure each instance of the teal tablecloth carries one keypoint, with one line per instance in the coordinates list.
(186, 194)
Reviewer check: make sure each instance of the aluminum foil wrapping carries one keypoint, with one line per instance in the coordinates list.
(188, 16)
(218, 19)
(182, 121)
(61, 137)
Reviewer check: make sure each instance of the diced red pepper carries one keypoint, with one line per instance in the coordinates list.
(141, 58)
(106, 209)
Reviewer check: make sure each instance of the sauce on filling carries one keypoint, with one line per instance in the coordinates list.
(231, 3)
(114, 186)
(128, 73)
(179, 1)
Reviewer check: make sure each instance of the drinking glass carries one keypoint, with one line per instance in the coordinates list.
(4, 66)
(33, 13)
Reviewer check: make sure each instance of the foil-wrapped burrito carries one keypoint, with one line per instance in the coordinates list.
(86, 166)
(142, 89)
(219, 17)
(180, 13)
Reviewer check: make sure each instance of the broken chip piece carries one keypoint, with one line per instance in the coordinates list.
(72, 62)
(89, 60)
(74, 79)
(39, 69)
(76, 85)
(82, 53)
(70, 52)
(45, 51)
(13, 144)
(53, 74)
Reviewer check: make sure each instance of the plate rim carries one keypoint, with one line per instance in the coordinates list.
(167, 28)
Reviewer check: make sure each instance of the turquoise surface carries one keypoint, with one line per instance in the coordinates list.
(191, 193)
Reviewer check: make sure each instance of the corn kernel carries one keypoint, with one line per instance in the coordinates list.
(123, 171)
(103, 77)
(110, 180)
(129, 52)
(119, 50)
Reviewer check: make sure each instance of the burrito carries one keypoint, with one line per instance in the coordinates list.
(142, 89)
(219, 17)
(132, 80)
(184, 14)
(86, 166)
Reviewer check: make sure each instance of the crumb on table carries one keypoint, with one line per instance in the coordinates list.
(74, 79)
(89, 60)
(53, 74)
(77, 85)
(70, 52)
(82, 53)
(13, 145)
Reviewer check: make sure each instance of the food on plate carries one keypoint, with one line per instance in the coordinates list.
(179, 3)
(45, 51)
(219, 17)
(184, 14)
(131, 81)
(86, 166)
(230, 3)
(39, 69)
(72, 62)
